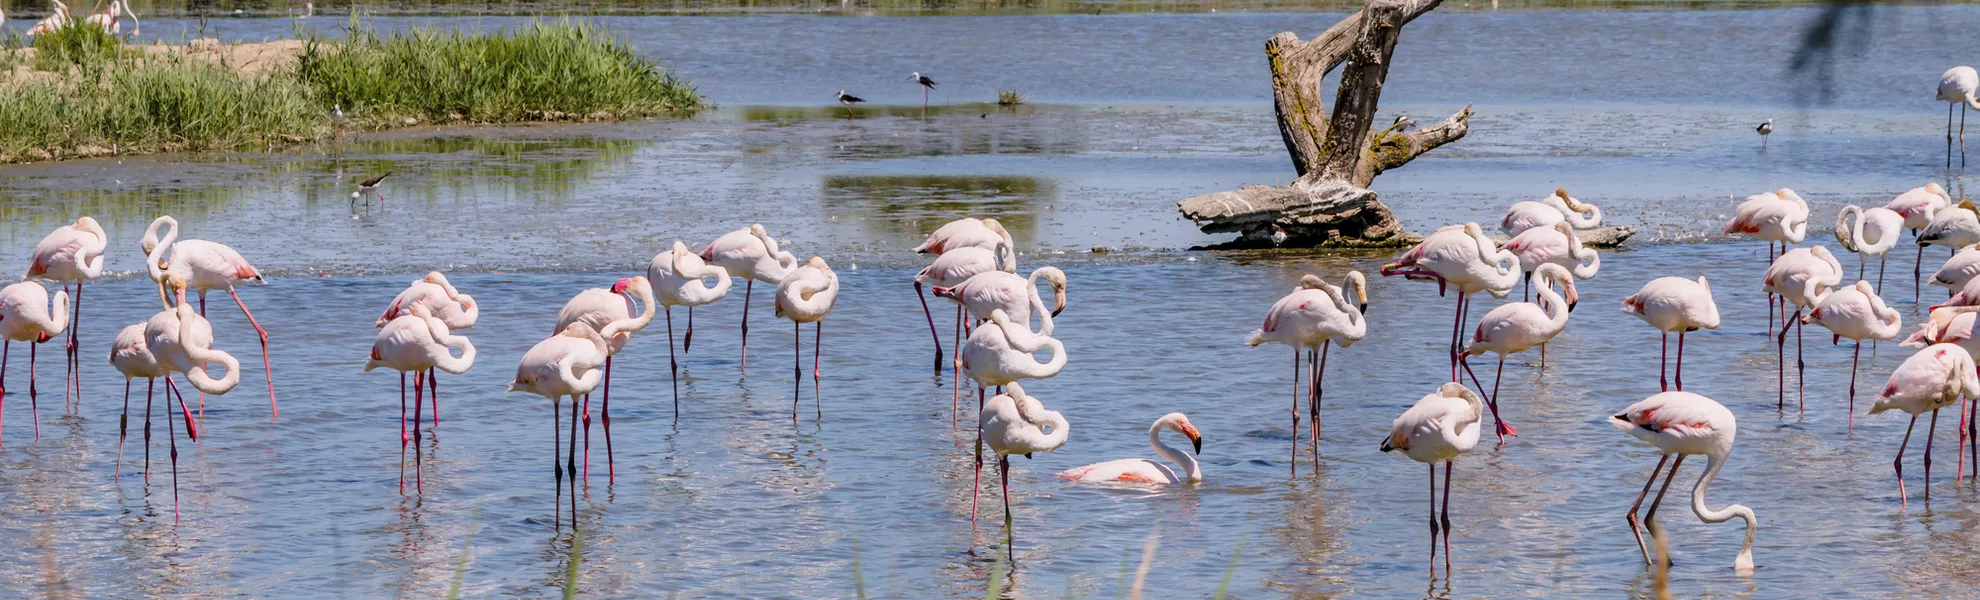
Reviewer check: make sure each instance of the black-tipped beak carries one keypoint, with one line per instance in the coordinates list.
(1027, 456)
(1364, 309)
(1571, 305)
(1055, 314)
(1196, 442)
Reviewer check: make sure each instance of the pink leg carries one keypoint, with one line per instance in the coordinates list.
(556, 448)
(1854, 356)
(1319, 394)
(687, 341)
(1433, 519)
(1635, 524)
(797, 366)
(1800, 368)
(405, 436)
(673, 366)
(149, 382)
(1446, 516)
(605, 420)
(1004, 473)
(817, 337)
(1662, 361)
(1503, 428)
(1457, 330)
(433, 394)
(266, 366)
(418, 447)
(1931, 430)
(977, 484)
(173, 444)
(1680, 363)
(1294, 461)
(955, 383)
(72, 383)
(587, 438)
(34, 408)
(569, 457)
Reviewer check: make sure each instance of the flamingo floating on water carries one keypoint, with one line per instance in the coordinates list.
(1441, 426)
(72, 253)
(680, 278)
(1310, 319)
(1142, 470)
(1682, 424)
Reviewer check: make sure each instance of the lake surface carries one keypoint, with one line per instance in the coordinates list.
(1648, 114)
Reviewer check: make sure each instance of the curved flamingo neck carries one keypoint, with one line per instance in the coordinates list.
(1191, 470)
(1717, 460)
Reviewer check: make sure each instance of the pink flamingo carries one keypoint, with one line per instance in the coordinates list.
(806, 296)
(950, 269)
(1518, 327)
(1957, 271)
(1674, 304)
(109, 19)
(1683, 423)
(1918, 205)
(1558, 208)
(1871, 232)
(58, 17)
(565, 365)
(749, 253)
(1438, 428)
(417, 342)
(1778, 216)
(206, 266)
(601, 309)
(1856, 312)
(1934, 378)
(1954, 325)
(182, 342)
(681, 279)
(1142, 470)
(1311, 318)
(1000, 353)
(71, 253)
(986, 234)
(1801, 277)
(1557, 245)
(1463, 256)
(988, 289)
(454, 309)
(131, 356)
(1016, 423)
(25, 317)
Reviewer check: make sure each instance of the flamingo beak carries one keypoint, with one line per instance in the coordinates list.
(1027, 456)
(1364, 309)
(1195, 439)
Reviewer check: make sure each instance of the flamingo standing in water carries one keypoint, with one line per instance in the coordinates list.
(1872, 232)
(1463, 256)
(1547, 211)
(1438, 428)
(1016, 423)
(951, 268)
(25, 316)
(1778, 216)
(749, 253)
(1519, 326)
(1918, 205)
(1801, 277)
(182, 342)
(1000, 353)
(131, 355)
(206, 266)
(1557, 245)
(1674, 304)
(680, 278)
(442, 301)
(985, 289)
(601, 309)
(1953, 228)
(806, 296)
(417, 343)
(1311, 318)
(565, 365)
(1956, 88)
(109, 19)
(1856, 312)
(1681, 424)
(1955, 325)
(1958, 271)
(1934, 378)
(986, 234)
(71, 254)
(1142, 470)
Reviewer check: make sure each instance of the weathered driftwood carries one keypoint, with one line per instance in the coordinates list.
(1336, 157)
(1611, 236)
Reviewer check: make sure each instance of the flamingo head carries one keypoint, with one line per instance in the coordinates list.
(818, 263)
(623, 284)
(948, 292)
(1311, 282)
(435, 278)
(1057, 279)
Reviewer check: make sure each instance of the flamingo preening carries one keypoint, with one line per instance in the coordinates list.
(749, 253)
(1856, 312)
(182, 342)
(1441, 426)
(1017, 423)
(680, 278)
(1871, 232)
(608, 310)
(1934, 378)
(1545, 212)
(1918, 205)
(417, 342)
(1460, 255)
(1310, 319)
(72, 253)
(205, 265)
(1557, 245)
(1681, 424)
(806, 296)
(441, 300)
(1519, 326)
(26, 316)
(1142, 470)
(1673, 304)
(1000, 353)
(994, 251)
(566, 365)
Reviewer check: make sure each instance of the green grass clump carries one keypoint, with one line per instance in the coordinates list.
(159, 103)
(1009, 98)
(77, 44)
(540, 71)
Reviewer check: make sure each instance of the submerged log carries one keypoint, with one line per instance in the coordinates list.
(1612, 236)
(1336, 157)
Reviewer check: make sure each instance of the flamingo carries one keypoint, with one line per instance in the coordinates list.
(1310, 319)
(1958, 270)
(1000, 353)
(1956, 87)
(182, 342)
(1017, 296)
(108, 19)
(1017, 423)
(749, 253)
(1856, 312)
(1954, 325)
(417, 342)
(1460, 255)
(1934, 378)
(1519, 326)
(206, 266)
(680, 278)
(25, 316)
(57, 18)
(1777, 216)
(1439, 427)
(566, 365)
(806, 296)
(1682, 423)
(1918, 205)
(131, 355)
(950, 269)
(1142, 470)
(1558, 245)
(986, 234)
(441, 299)
(1953, 229)
(1801, 277)
(601, 308)
(1872, 232)
(1558, 208)
(1968, 295)
(1674, 304)
(71, 253)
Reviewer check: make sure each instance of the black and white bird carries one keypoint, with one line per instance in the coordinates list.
(1765, 129)
(337, 112)
(371, 185)
(849, 100)
(926, 84)
(1403, 122)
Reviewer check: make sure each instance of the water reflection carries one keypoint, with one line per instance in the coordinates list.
(909, 207)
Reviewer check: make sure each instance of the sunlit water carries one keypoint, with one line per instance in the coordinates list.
(735, 499)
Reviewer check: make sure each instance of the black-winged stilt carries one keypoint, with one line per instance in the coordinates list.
(926, 84)
(1765, 129)
(849, 100)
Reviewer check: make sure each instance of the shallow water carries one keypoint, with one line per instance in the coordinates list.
(734, 499)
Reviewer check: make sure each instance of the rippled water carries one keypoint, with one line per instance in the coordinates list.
(733, 499)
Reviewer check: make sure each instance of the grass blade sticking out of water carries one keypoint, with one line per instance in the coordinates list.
(467, 552)
(1224, 585)
(1147, 561)
(859, 578)
(577, 558)
(997, 578)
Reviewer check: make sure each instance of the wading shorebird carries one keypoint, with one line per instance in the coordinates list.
(1673, 304)
(1310, 320)
(1441, 426)
(849, 100)
(1681, 424)
(1765, 129)
(72, 253)
(1956, 88)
